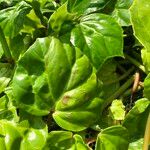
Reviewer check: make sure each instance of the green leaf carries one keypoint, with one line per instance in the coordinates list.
(135, 120)
(78, 6)
(5, 75)
(30, 87)
(107, 74)
(68, 118)
(59, 17)
(100, 38)
(64, 140)
(17, 137)
(145, 58)
(147, 86)
(141, 21)
(136, 144)
(115, 137)
(59, 140)
(121, 12)
(7, 110)
(117, 110)
(12, 18)
(69, 89)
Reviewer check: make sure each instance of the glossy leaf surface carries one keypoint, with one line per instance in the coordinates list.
(100, 38)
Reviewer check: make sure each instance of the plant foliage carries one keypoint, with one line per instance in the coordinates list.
(74, 75)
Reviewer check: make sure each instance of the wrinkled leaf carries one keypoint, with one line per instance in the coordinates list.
(100, 38)
(135, 120)
(69, 89)
(115, 138)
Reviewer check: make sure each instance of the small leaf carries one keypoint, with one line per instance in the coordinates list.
(117, 110)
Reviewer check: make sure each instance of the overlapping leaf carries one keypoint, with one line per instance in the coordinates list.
(52, 75)
(21, 138)
(65, 140)
(121, 12)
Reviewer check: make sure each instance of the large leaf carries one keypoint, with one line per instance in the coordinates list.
(141, 21)
(100, 38)
(64, 140)
(115, 138)
(12, 18)
(135, 120)
(121, 12)
(69, 89)
(17, 137)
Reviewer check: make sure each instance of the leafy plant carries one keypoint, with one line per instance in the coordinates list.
(74, 75)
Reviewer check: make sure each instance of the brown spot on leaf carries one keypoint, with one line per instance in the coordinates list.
(65, 99)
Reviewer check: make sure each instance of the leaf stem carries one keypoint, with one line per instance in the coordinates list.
(5, 45)
(147, 134)
(119, 91)
(127, 73)
(135, 62)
